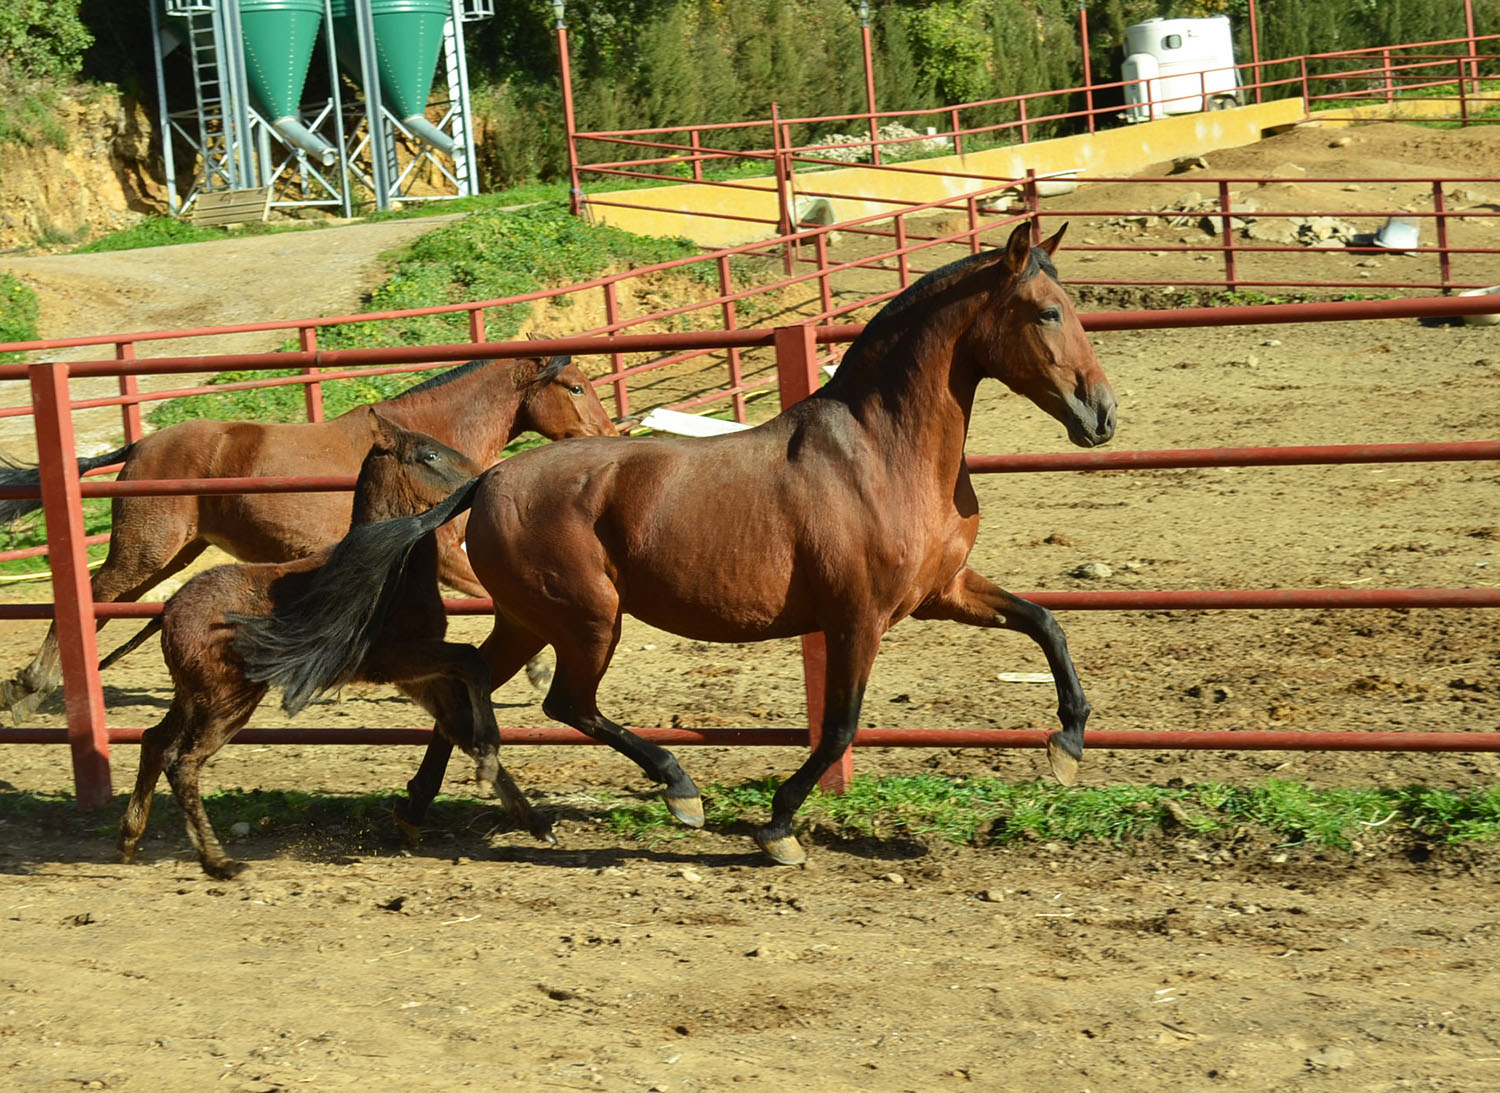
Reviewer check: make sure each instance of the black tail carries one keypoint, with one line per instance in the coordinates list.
(133, 644)
(21, 474)
(316, 643)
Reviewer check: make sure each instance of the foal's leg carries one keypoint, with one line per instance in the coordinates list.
(207, 733)
(583, 653)
(156, 743)
(850, 656)
(140, 555)
(459, 701)
(506, 649)
(970, 598)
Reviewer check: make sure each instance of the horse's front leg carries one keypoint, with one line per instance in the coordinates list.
(850, 656)
(970, 598)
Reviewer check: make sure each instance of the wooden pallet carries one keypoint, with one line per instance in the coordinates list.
(231, 206)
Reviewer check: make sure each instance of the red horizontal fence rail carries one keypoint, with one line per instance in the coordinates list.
(797, 361)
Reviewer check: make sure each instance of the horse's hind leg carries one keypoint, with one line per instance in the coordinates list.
(207, 734)
(455, 571)
(850, 656)
(970, 598)
(582, 657)
(137, 560)
(156, 742)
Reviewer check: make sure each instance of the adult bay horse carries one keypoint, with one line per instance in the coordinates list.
(405, 472)
(849, 511)
(476, 408)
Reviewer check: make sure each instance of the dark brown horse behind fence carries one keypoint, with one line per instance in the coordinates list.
(405, 472)
(845, 514)
(476, 408)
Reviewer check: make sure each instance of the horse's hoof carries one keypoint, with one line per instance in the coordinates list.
(543, 830)
(22, 702)
(783, 851)
(227, 869)
(1064, 763)
(687, 810)
(411, 832)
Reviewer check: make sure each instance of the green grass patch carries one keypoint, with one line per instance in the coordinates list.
(488, 254)
(19, 313)
(967, 811)
(977, 812)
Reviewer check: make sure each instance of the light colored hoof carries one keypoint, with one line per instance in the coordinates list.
(687, 810)
(411, 832)
(783, 851)
(1064, 766)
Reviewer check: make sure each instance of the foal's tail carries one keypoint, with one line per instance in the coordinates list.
(316, 643)
(23, 474)
(133, 644)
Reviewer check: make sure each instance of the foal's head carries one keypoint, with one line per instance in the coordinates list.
(1037, 345)
(406, 472)
(557, 400)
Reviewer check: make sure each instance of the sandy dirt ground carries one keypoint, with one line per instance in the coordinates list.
(481, 959)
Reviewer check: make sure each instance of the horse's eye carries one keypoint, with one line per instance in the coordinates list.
(1051, 315)
(577, 388)
(430, 456)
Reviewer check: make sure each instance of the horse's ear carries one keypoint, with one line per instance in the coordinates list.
(1018, 249)
(1050, 245)
(382, 430)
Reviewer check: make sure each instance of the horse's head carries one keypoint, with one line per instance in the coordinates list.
(557, 400)
(406, 472)
(1039, 347)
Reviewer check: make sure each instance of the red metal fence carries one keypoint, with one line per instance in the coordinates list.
(1457, 73)
(798, 362)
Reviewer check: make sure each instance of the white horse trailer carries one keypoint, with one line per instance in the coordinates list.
(1179, 66)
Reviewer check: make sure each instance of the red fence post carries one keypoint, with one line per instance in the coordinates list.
(736, 373)
(1445, 260)
(825, 290)
(1226, 227)
(62, 504)
(903, 260)
(1088, 78)
(312, 393)
(1033, 195)
(616, 360)
(130, 412)
(797, 375)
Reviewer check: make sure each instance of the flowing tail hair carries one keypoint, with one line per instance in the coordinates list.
(316, 643)
(24, 474)
(133, 644)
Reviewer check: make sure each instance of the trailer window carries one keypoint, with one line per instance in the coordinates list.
(1172, 41)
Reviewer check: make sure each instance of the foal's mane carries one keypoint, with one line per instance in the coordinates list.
(547, 371)
(898, 309)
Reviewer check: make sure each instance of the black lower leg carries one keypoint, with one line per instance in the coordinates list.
(424, 785)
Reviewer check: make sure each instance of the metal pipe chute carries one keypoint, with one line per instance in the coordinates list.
(425, 131)
(299, 136)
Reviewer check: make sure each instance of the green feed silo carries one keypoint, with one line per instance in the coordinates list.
(279, 37)
(408, 40)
